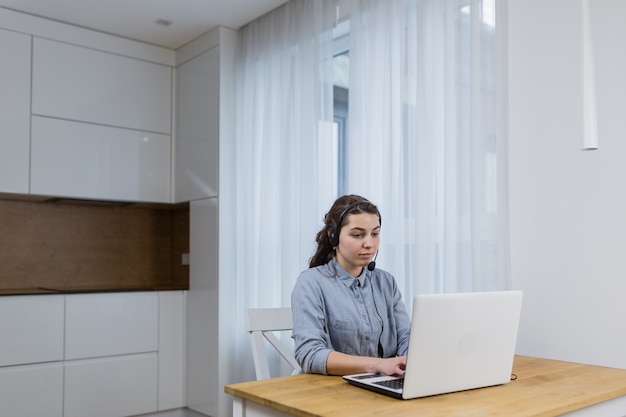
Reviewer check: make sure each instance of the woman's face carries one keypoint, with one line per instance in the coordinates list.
(358, 242)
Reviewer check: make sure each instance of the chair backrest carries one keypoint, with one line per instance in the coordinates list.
(262, 324)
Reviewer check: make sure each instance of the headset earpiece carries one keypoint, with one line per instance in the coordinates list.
(332, 239)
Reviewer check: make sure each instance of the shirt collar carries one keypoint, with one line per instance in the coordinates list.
(345, 277)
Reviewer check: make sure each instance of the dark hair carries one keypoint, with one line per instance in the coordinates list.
(328, 237)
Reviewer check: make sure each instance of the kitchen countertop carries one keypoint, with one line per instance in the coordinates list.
(25, 291)
(79, 290)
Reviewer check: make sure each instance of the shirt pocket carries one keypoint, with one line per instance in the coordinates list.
(343, 335)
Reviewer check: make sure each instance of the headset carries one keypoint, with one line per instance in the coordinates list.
(334, 240)
(334, 236)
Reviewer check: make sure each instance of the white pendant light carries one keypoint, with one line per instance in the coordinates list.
(590, 113)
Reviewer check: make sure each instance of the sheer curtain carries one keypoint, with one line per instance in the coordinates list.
(425, 145)
(425, 141)
(278, 164)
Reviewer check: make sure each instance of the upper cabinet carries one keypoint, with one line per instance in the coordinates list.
(84, 160)
(14, 111)
(101, 125)
(80, 84)
(197, 127)
(93, 117)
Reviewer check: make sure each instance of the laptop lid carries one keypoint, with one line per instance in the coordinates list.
(458, 342)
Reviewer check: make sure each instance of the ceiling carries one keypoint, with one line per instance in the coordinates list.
(137, 19)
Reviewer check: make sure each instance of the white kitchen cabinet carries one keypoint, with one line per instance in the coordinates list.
(31, 351)
(108, 324)
(203, 381)
(171, 349)
(81, 84)
(32, 390)
(209, 360)
(111, 354)
(102, 354)
(197, 127)
(111, 387)
(15, 50)
(31, 329)
(81, 160)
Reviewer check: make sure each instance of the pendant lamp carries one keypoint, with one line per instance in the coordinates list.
(590, 113)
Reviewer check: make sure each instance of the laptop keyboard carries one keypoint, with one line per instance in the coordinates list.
(393, 384)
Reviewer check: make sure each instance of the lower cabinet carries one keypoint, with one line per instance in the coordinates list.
(31, 329)
(31, 356)
(115, 386)
(108, 354)
(32, 390)
(172, 328)
(111, 361)
(107, 324)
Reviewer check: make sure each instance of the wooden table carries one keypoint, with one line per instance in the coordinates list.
(543, 388)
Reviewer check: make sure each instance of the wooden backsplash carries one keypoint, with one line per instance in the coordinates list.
(75, 245)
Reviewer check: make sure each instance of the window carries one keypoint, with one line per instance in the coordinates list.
(341, 71)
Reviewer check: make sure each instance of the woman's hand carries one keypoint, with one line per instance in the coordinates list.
(392, 366)
(341, 364)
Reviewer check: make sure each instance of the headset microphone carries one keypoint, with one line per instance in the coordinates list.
(372, 265)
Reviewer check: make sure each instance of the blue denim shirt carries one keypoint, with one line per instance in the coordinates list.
(362, 316)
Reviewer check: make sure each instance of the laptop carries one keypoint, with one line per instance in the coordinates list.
(458, 342)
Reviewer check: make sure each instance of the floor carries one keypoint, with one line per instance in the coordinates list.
(179, 412)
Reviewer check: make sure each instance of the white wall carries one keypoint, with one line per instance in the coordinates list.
(567, 206)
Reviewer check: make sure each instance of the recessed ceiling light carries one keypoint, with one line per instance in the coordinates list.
(163, 22)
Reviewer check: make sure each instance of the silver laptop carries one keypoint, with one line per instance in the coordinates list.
(458, 342)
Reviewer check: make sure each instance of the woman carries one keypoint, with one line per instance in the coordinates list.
(348, 316)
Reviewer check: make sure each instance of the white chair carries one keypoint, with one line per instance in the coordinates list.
(262, 324)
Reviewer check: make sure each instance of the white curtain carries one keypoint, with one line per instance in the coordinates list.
(279, 162)
(424, 146)
(425, 142)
